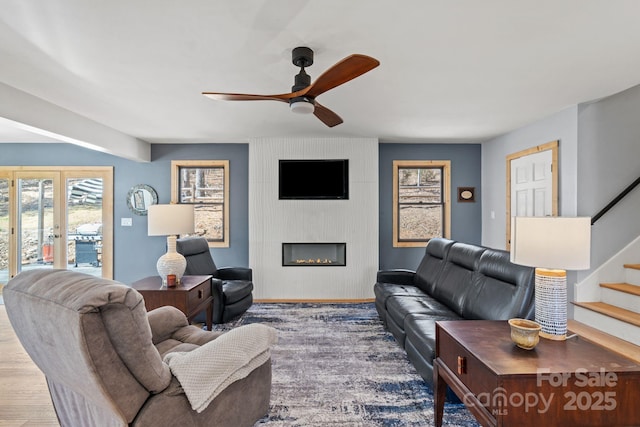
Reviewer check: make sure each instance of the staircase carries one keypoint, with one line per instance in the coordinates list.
(617, 310)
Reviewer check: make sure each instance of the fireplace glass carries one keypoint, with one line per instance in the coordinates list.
(314, 254)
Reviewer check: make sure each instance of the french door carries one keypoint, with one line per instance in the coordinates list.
(56, 217)
(532, 183)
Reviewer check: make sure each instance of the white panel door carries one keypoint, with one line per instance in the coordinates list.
(532, 185)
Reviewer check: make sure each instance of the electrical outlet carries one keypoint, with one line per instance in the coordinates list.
(126, 222)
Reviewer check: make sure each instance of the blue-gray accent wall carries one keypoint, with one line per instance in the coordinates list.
(135, 253)
(466, 221)
(237, 254)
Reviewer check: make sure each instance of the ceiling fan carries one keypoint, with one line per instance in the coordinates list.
(302, 98)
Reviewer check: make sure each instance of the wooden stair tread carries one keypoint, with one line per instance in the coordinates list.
(596, 336)
(634, 266)
(622, 287)
(627, 316)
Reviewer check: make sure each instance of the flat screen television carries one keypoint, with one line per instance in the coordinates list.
(314, 179)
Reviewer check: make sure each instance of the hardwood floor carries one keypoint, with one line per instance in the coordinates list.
(24, 397)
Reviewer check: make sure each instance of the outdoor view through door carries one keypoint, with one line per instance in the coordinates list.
(5, 229)
(59, 220)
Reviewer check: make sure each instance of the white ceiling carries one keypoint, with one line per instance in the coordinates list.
(451, 70)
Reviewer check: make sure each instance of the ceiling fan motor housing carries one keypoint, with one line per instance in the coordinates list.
(302, 57)
(300, 81)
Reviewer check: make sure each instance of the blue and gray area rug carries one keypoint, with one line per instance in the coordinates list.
(335, 365)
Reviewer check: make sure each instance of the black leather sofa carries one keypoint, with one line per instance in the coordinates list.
(454, 281)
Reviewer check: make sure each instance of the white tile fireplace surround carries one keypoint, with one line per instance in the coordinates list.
(353, 222)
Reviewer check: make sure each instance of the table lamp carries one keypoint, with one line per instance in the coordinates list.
(552, 245)
(170, 220)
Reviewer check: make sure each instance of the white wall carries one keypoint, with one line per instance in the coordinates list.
(562, 126)
(609, 132)
(33, 114)
(273, 221)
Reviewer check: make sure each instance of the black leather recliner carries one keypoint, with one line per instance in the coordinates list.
(231, 287)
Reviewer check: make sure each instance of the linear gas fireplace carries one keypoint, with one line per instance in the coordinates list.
(314, 254)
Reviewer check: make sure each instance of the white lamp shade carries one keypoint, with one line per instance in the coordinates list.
(551, 242)
(174, 219)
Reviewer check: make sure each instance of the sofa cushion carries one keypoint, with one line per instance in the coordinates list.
(420, 330)
(432, 264)
(454, 283)
(399, 307)
(500, 289)
(383, 291)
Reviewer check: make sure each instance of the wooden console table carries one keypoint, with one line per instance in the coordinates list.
(563, 383)
(191, 296)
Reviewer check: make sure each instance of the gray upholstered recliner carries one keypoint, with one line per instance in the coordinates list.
(232, 287)
(102, 355)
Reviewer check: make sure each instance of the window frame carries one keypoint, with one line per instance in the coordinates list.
(445, 166)
(205, 164)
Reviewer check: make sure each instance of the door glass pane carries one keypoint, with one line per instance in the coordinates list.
(35, 223)
(4, 233)
(84, 225)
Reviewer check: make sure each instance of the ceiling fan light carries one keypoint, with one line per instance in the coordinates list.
(302, 107)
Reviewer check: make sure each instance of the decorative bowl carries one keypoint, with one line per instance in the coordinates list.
(525, 333)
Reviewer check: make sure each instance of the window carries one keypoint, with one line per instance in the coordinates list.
(421, 201)
(204, 183)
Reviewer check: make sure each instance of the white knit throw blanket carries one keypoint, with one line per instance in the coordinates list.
(206, 371)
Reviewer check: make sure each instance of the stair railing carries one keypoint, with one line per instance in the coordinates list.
(619, 197)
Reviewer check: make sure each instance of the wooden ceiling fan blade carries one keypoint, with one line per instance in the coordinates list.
(326, 116)
(247, 97)
(348, 69)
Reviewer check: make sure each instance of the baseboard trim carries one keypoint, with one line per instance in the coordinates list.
(314, 301)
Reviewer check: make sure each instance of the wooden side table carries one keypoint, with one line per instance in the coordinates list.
(563, 383)
(191, 296)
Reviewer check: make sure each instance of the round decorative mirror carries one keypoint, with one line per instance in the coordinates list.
(140, 197)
